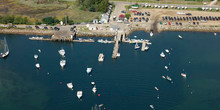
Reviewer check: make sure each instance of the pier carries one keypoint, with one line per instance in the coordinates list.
(118, 38)
(143, 46)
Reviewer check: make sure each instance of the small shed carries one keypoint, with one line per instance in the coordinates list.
(95, 21)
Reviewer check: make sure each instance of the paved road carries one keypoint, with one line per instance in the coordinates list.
(214, 2)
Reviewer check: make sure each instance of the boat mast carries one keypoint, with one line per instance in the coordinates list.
(6, 46)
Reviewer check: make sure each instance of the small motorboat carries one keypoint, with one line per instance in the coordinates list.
(149, 43)
(93, 83)
(152, 107)
(169, 79)
(156, 88)
(79, 94)
(36, 57)
(146, 48)
(162, 55)
(118, 55)
(180, 37)
(62, 52)
(136, 46)
(166, 50)
(70, 85)
(39, 50)
(94, 89)
(89, 70)
(166, 67)
(62, 63)
(37, 66)
(151, 33)
(135, 36)
(215, 34)
(184, 75)
(163, 77)
(101, 57)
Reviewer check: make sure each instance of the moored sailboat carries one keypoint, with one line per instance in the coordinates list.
(5, 52)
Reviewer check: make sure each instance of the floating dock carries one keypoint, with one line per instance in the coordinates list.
(143, 46)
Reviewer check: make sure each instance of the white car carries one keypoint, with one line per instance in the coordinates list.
(119, 21)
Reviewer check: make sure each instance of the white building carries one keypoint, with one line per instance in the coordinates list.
(61, 23)
(104, 19)
(95, 21)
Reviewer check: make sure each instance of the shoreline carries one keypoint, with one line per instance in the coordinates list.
(111, 34)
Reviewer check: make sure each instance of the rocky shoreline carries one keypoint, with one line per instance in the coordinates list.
(111, 34)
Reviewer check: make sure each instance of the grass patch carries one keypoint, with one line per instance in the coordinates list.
(34, 11)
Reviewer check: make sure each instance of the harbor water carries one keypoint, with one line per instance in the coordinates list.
(126, 83)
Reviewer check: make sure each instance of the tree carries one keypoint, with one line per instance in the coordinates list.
(48, 20)
(103, 6)
(127, 16)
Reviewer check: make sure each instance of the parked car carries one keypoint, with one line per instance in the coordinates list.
(28, 27)
(56, 28)
(123, 11)
(188, 14)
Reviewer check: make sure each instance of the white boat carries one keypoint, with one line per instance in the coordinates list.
(89, 70)
(62, 63)
(93, 83)
(169, 79)
(180, 37)
(70, 85)
(118, 55)
(79, 94)
(101, 57)
(62, 52)
(151, 33)
(163, 77)
(156, 88)
(149, 43)
(184, 75)
(39, 50)
(136, 46)
(100, 41)
(215, 34)
(152, 107)
(166, 50)
(5, 52)
(94, 89)
(35, 56)
(135, 36)
(166, 67)
(146, 48)
(162, 55)
(37, 66)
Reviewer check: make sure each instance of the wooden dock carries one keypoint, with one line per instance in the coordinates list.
(119, 37)
(143, 46)
(65, 40)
